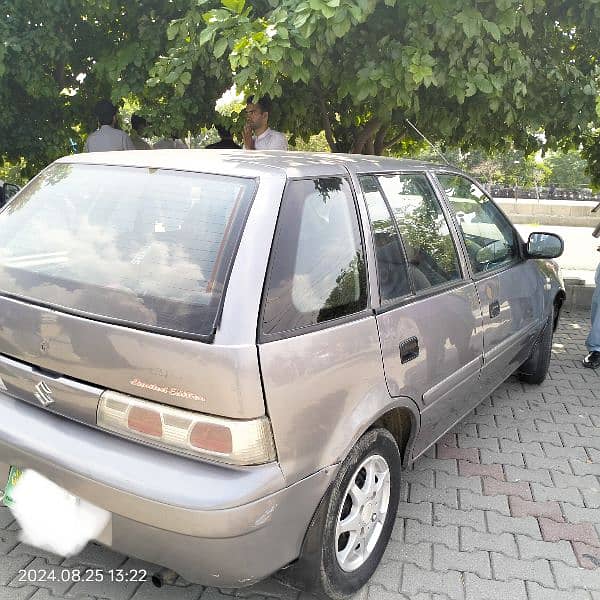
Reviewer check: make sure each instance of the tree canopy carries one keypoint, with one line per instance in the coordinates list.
(471, 73)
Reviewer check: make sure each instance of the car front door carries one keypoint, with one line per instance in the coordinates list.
(510, 288)
(429, 318)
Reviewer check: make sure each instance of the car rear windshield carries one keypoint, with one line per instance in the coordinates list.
(150, 248)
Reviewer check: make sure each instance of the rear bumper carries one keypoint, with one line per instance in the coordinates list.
(214, 525)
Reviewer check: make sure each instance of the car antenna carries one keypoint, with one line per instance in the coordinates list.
(435, 148)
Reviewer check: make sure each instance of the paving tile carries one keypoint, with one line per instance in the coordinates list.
(574, 532)
(552, 464)
(488, 589)
(416, 532)
(543, 493)
(419, 554)
(576, 514)
(468, 469)
(442, 515)
(469, 500)
(525, 525)
(528, 474)
(506, 569)
(478, 562)
(530, 549)
(470, 539)
(419, 511)
(570, 578)
(443, 480)
(470, 454)
(586, 467)
(493, 487)
(524, 508)
(465, 441)
(588, 556)
(502, 458)
(449, 583)
(537, 592)
(425, 494)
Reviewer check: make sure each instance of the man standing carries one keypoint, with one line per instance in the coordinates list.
(138, 124)
(257, 134)
(107, 137)
(226, 140)
(592, 360)
(172, 142)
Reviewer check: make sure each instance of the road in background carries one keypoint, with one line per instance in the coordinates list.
(580, 257)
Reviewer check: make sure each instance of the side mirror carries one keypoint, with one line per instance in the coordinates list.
(7, 191)
(544, 245)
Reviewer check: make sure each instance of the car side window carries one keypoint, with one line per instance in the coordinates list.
(317, 269)
(430, 250)
(391, 265)
(489, 238)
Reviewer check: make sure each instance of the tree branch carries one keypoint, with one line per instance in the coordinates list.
(394, 140)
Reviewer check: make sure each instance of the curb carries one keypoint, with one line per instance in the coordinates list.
(579, 295)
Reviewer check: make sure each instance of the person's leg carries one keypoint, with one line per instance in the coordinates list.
(593, 340)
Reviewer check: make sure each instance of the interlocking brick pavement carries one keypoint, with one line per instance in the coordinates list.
(506, 505)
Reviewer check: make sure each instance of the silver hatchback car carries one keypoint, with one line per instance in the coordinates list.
(233, 353)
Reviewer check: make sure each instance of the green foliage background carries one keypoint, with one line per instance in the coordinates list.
(480, 76)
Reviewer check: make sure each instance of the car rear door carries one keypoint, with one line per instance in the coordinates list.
(429, 317)
(509, 287)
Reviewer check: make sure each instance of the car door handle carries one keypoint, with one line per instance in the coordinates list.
(494, 309)
(409, 349)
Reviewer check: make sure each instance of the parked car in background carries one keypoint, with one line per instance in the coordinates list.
(7, 191)
(234, 353)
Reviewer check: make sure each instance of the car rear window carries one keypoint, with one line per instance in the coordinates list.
(145, 247)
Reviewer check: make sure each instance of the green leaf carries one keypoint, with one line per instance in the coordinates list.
(297, 57)
(275, 53)
(172, 30)
(237, 6)
(206, 35)
(483, 83)
(493, 30)
(186, 78)
(341, 29)
(220, 47)
(526, 27)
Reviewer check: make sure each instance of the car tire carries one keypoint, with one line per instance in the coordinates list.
(372, 466)
(535, 368)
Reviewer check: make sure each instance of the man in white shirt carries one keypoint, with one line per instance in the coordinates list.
(257, 134)
(107, 137)
(171, 143)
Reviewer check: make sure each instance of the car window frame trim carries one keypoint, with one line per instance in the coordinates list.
(185, 335)
(264, 338)
(479, 276)
(464, 274)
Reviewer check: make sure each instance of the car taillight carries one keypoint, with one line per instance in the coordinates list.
(238, 442)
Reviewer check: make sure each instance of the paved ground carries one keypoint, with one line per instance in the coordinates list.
(506, 506)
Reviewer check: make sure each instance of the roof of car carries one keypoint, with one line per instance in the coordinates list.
(250, 163)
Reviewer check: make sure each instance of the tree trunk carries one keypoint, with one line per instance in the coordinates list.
(327, 125)
(369, 146)
(367, 132)
(379, 144)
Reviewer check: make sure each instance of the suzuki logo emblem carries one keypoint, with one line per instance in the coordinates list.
(43, 393)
